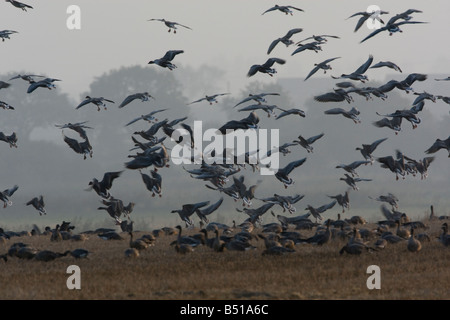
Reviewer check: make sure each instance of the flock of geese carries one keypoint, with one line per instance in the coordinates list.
(151, 154)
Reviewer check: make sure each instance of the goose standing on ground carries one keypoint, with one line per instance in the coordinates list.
(210, 98)
(283, 173)
(352, 114)
(285, 9)
(266, 67)
(286, 39)
(143, 96)
(38, 204)
(138, 243)
(438, 145)
(171, 25)
(165, 61)
(367, 149)
(444, 238)
(180, 247)
(414, 245)
(307, 143)
(322, 65)
(6, 194)
(11, 139)
(99, 102)
(45, 83)
(102, 187)
(19, 5)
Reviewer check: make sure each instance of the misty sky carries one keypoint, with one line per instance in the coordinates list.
(227, 37)
(230, 35)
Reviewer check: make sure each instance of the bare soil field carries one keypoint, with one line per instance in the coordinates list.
(312, 272)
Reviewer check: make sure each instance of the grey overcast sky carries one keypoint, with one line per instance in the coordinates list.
(231, 35)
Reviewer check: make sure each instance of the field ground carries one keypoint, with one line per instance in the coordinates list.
(160, 273)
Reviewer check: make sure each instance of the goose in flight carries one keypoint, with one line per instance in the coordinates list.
(147, 117)
(203, 213)
(352, 114)
(286, 39)
(285, 9)
(315, 212)
(171, 25)
(337, 96)
(322, 65)
(407, 114)
(26, 77)
(251, 122)
(38, 204)
(394, 124)
(4, 34)
(11, 139)
(343, 200)
(165, 61)
(153, 182)
(143, 96)
(6, 106)
(320, 39)
(443, 79)
(438, 145)
(374, 15)
(283, 173)
(269, 109)
(387, 64)
(396, 166)
(293, 111)
(99, 102)
(389, 198)
(352, 181)
(77, 127)
(189, 209)
(210, 98)
(307, 143)
(391, 27)
(19, 5)
(266, 67)
(6, 194)
(404, 84)
(358, 74)
(351, 167)
(258, 98)
(102, 187)
(313, 46)
(83, 147)
(45, 83)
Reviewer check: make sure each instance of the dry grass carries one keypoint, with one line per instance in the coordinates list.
(160, 273)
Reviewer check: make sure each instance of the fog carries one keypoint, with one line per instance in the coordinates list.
(108, 57)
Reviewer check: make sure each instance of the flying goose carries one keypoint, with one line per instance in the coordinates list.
(351, 167)
(352, 181)
(165, 61)
(149, 117)
(283, 173)
(337, 95)
(77, 127)
(396, 166)
(393, 124)
(187, 210)
(294, 111)
(258, 98)
(153, 183)
(389, 198)
(210, 98)
(6, 106)
(319, 38)
(6, 194)
(313, 46)
(438, 145)
(250, 122)
(391, 28)
(388, 64)
(4, 85)
(352, 114)
(407, 114)
(11, 139)
(367, 149)
(315, 212)
(286, 39)
(99, 102)
(38, 204)
(45, 83)
(365, 15)
(143, 96)
(171, 25)
(102, 187)
(27, 77)
(307, 143)
(83, 147)
(285, 9)
(4, 34)
(203, 213)
(266, 67)
(343, 200)
(358, 74)
(322, 65)
(269, 109)
(19, 5)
